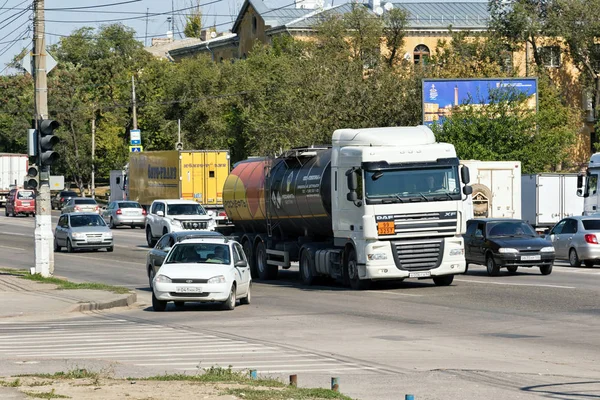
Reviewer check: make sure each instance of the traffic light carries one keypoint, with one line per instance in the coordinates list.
(47, 141)
(32, 180)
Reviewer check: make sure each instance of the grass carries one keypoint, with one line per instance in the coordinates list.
(287, 393)
(72, 374)
(15, 383)
(46, 395)
(217, 374)
(64, 284)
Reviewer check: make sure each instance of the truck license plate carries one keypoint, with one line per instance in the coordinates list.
(188, 289)
(386, 228)
(419, 274)
(531, 258)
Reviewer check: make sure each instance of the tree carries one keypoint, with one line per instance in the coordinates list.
(396, 22)
(193, 22)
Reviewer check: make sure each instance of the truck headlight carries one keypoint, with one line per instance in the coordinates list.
(377, 256)
(175, 222)
(507, 250)
(162, 279)
(548, 249)
(217, 279)
(457, 252)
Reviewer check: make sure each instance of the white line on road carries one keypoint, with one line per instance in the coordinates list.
(515, 284)
(217, 357)
(229, 362)
(394, 293)
(81, 343)
(110, 263)
(15, 234)
(186, 353)
(13, 248)
(132, 348)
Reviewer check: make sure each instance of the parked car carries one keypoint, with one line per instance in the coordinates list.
(61, 198)
(203, 270)
(576, 239)
(157, 255)
(20, 201)
(506, 243)
(128, 213)
(82, 231)
(81, 204)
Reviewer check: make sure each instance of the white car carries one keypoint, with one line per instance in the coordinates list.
(203, 270)
(166, 216)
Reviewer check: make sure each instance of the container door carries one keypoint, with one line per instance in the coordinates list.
(210, 188)
(188, 176)
(572, 204)
(528, 203)
(548, 200)
(503, 189)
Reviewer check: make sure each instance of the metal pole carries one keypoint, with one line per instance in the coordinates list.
(93, 188)
(43, 237)
(133, 97)
(146, 36)
(179, 131)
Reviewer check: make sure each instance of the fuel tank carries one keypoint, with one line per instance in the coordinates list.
(292, 193)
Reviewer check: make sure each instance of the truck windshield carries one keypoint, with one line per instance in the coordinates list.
(424, 184)
(185, 209)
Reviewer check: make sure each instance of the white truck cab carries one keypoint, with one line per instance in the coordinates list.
(587, 186)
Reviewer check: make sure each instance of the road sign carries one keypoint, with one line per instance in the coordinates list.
(135, 136)
(136, 149)
(178, 146)
(26, 62)
(57, 182)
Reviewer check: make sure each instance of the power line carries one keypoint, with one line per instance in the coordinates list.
(94, 6)
(9, 47)
(15, 7)
(13, 18)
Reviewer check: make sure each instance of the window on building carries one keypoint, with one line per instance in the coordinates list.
(254, 24)
(421, 54)
(550, 56)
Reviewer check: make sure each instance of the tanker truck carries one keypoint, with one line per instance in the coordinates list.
(379, 204)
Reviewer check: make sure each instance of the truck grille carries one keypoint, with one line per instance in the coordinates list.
(424, 224)
(194, 225)
(418, 255)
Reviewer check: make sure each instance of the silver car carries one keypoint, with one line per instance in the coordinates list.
(577, 239)
(82, 231)
(81, 204)
(156, 256)
(128, 213)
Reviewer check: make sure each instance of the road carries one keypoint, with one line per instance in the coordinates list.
(521, 336)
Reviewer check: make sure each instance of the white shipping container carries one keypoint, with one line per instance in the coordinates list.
(548, 198)
(496, 189)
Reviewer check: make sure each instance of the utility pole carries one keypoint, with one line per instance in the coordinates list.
(133, 102)
(146, 36)
(43, 237)
(173, 17)
(93, 188)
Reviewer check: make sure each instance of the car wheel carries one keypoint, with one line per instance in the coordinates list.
(5, 211)
(110, 249)
(265, 271)
(56, 246)
(150, 276)
(466, 268)
(149, 238)
(246, 300)
(352, 273)
(179, 304)
(111, 224)
(445, 280)
(70, 246)
(546, 269)
(492, 267)
(589, 263)
(306, 268)
(158, 305)
(512, 269)
(229, 304)
(574, 258)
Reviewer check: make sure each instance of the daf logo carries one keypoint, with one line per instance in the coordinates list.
(189, 281)
(384, 217)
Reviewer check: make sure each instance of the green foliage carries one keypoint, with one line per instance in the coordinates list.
(46, 395)
(218, 374)
(64, 284)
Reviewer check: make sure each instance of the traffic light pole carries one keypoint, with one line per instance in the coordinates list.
(44, 239)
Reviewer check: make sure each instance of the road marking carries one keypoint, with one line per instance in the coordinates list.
(394, 293)
(15, 234)
(13, 248)
(112, 263)
(515, 284)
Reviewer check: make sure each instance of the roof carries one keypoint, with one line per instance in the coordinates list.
(225, 39)
(182, 234)
(164, 49)
(496, 220)
(222, 239)
(177, 201)
(441, 14)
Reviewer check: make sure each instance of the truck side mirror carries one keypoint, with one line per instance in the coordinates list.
(465, 175)
(467, 190)
(352, 196)
(352, 180)
(160, 213)
(118, 180)
(579, 181)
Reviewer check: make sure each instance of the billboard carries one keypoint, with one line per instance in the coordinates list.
(441, 96)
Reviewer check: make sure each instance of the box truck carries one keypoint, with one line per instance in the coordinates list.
(587, 186)
(13, 169)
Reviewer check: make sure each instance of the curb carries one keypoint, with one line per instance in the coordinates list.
(93, 306)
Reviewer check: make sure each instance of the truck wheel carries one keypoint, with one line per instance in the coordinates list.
(492, 268)
(588, 263)
(306, 268)
(481, 209)
(352, 272)
(250, 257)
(445, 280)
(265, 271)
(151, 242)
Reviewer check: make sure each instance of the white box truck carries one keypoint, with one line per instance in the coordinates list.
(13, 169)
(548, 198)
(496, 189)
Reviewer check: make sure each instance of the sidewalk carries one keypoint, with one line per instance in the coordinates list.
(21, 297)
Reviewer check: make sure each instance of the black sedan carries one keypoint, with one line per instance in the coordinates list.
(157, 255)
(506, 243)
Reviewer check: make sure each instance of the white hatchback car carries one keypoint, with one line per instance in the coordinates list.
(203, 270)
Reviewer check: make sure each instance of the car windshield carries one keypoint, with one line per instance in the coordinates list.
(85, 201)
(210, 253)
(25, 195)
(78, 221)
(185, 209)
(68, 194)
(509, 228)
(591, 224)
(426, 184)
(130, 204)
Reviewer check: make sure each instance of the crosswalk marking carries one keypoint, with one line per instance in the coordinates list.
(156, 346)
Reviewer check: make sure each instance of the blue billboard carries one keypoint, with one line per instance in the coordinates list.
(441, 96)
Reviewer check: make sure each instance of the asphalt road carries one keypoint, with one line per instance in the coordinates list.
(512, 336)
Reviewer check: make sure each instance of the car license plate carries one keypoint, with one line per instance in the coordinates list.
(94, 240)
(419, 274)
(531, 258)
(26, 204)
(188, 289)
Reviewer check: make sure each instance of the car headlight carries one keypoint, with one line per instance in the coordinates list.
(108, 235)
(377, 256)
(175, 222)
(507, 250)
(78, 235)
(217, 279)
(457, 252)
(548, 249)
(162, 279)
(212, 222)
